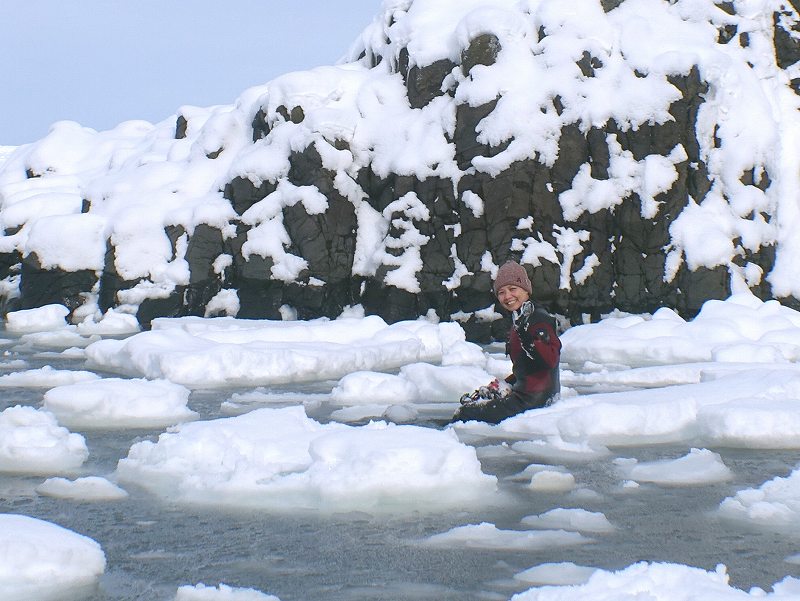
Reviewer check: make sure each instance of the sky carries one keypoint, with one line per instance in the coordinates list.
(102, 62)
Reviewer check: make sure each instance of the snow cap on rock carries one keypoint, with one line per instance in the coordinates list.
(513, 273)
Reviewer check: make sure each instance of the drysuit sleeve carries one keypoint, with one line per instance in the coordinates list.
(541, 343)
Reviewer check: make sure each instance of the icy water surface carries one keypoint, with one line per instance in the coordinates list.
(152, 547)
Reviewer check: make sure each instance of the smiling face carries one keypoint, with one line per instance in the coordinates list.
(512, 297)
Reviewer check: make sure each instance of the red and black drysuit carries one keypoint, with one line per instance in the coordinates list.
(535, 350)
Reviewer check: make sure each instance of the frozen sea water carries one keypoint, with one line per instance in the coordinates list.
(153, 547)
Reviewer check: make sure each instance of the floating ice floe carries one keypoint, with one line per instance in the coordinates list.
(552, 481)
(46, 327)
(576, 520)
(741, 329)
(746, 409)
(565, 573)
(730, 377)
(44, 562)
(775, 504)
(415, 383)
(660, 582)
(32, 442)
(13, 365)
(488, 536)
(40, 319)
(117, 403)
(111, 323)
(224, 351)
(223, 592)
(700, 466)
(56, 340)
(556, 449)
(45, 377)
(280, 459)
(89, 488)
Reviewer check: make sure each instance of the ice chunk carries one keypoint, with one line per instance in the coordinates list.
(700, 466)
(41, 319)
(578, 520)
(223, 351)
(90, 488)
(45, 377)
(280, 459)
(201, 592)
(32, 442)
(488, 536)
(775, 504)
(556, 574)
(657, 582)
(42, 561)
(116, 403)
(552, 481)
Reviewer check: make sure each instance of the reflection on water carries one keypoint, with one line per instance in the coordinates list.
(153, 547)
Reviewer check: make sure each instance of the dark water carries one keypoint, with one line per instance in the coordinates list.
(153, 547)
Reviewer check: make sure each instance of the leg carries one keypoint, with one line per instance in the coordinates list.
(492, 412)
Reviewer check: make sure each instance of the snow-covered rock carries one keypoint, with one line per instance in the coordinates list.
(631, 154)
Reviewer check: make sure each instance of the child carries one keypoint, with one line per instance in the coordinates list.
(534, 348)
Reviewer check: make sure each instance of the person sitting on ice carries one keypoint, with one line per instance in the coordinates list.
(534, 348)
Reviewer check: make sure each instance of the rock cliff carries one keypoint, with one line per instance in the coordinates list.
(632, 154)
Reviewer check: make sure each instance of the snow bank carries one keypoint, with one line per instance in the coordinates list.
(659, 582)
(32, 442)
(227, 352)
(281, 459)
(117, 403)
(43, 561)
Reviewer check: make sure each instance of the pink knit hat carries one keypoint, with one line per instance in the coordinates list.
(512, 273)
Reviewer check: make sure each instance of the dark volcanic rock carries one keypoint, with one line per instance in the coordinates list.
(181, 125)
(40, 286)
(786, 38)
(425, 83)
(243, 194)
(170, 306)
(110, 281)
(482, 50)
(465, 138)
(260, 125)
(204, 248)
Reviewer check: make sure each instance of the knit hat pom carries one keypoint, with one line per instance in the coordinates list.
(512, 273)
